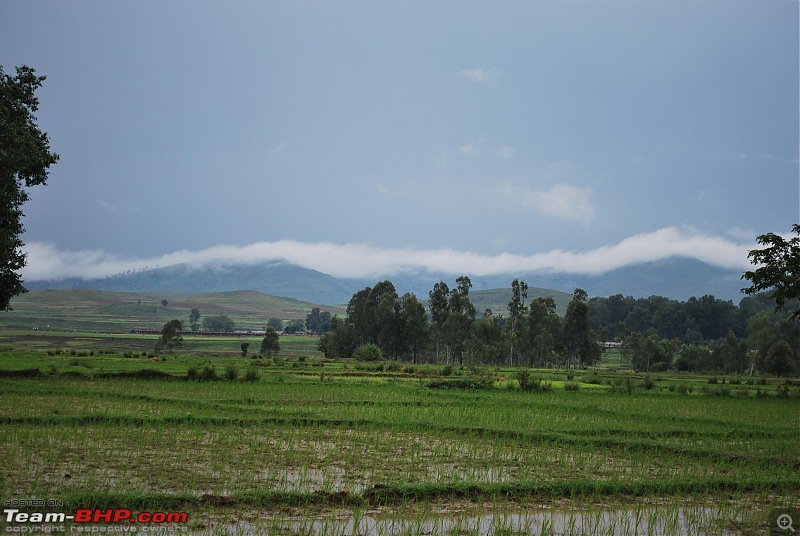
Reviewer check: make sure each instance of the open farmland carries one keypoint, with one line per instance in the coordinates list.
(314, 446)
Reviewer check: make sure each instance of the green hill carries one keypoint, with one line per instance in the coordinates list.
(497, 299)
(118, 312)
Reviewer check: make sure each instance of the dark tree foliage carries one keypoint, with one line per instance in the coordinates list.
(780, 268)
(270, 344)
(170, 336)
(318, 322)
(25, 159)
(218, 323)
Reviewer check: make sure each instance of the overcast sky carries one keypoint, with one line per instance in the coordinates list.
(357, 136)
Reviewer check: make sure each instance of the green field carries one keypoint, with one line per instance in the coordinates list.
(317, 446)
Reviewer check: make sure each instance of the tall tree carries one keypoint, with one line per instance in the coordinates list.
(415, 324)
(25, 159)
(544, 330)
(438, 300)
(780, 268)
(516, 312)
(460, 317)
(194, 319)
(580, 341)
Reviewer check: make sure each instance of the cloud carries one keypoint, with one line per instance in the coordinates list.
(364, 260)
(277, 149)
(474, 150)
(105, 205)
(486, 77)
(562, 201)
(503, 152)
(469, 150)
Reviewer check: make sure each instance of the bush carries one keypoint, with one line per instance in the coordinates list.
(208, 374)
(649, 382)
(231, 373)
(528, 383)
(192, 373)
(572, 386)
(622, 385)
(251, 375)
(659, 367)
(594, 380)
(468, 384)
(368, 352)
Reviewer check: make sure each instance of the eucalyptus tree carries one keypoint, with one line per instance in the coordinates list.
(516, 312)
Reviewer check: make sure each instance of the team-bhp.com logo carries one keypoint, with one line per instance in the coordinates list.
(115, 516)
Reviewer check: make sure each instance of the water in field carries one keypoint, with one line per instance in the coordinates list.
(662, 521)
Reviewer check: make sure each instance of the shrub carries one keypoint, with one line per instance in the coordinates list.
(231, 373)
(649, 382)
(572, 386)
(528, 383)
(208, 374)
(251, 375)
(622, 385)
(192, 373)
(447, 370)
(368, 352)
(468, 384)
(595, 380)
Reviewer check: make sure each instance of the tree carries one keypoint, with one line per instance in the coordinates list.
(275, 323)
(415, 324)
(580, 341)
(460, 318)
(780, 268)
(318, 322)
(164, 302)
(294, 326)
(245, 346)
(544, 330)
(516, 312)
(218, 323)
(437, 302)
(170, 336)
(270, 345)
(781, 359)
(25, 158)
(194, 319)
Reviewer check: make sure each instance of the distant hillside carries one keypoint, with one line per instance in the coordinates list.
(114, 312)
(272, 278)
(497, 299)
(676, 277)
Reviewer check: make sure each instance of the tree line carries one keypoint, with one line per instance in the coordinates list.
(654, 334)
(450, 330)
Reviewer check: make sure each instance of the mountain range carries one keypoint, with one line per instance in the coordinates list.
(675, 277)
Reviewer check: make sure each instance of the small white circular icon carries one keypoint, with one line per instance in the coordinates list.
(785, 522)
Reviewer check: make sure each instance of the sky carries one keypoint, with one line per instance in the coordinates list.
(370, 137)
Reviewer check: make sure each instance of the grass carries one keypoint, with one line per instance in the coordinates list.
(115, 312)
(315, 446)
(304, 445)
